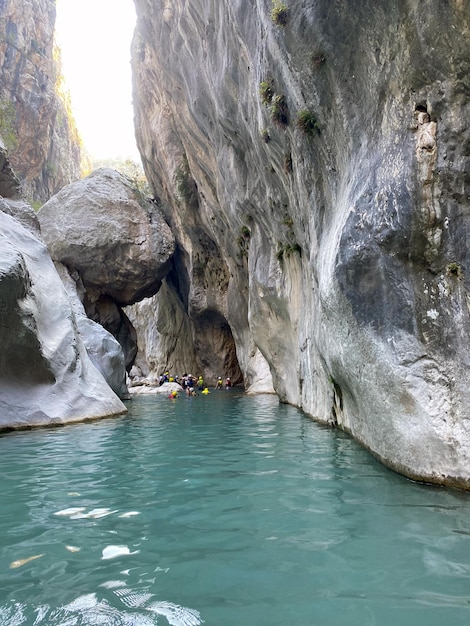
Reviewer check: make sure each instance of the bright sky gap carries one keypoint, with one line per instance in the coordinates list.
(95, 39)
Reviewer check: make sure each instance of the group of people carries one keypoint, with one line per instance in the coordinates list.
(219, 384)
(190, 384)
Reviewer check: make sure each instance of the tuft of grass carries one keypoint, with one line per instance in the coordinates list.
(307, 122)
(288, 221)
(265, 136)
(279, 110)
(243, 240)
(266, 91)
(454, 269)
(185, 184)
(245, 232)
(36, 204)
(280, 13)
(285, 250)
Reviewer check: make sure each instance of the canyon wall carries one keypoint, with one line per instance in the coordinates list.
(35, 116)
(313, 162)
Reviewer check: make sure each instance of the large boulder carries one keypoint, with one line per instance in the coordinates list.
(46, 376)
(116, 239)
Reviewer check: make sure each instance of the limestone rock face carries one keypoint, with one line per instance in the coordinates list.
(22, 212)
(46, 376)
(35, 120)
(317, 178)
(115, 240)
(118, 243)
(104, 350)
(9, 183)
(168, 340)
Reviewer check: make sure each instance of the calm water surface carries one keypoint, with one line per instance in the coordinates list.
(226, 510)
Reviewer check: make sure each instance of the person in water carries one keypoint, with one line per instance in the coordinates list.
(219, 384)
(173, 394)
(200, 383)
(228, 383)
(205, 391)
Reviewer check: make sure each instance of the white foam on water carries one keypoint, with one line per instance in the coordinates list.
(82, 603)
(129, 514)
(97, 513)
(71, 511)
(72, 548)
(93, 514)
(176, 615)
(111, 552)
(113, 584)
(131, 599)
(77, 512)
(88, 609)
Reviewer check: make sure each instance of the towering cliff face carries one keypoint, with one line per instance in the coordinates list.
(35, 120)
(318, 179)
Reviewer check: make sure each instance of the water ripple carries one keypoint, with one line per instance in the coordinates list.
(239, 507)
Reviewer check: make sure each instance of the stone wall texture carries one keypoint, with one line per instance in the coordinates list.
(316, 175)
(36, 124)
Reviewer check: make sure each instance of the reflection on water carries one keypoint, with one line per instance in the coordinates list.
(223, 510)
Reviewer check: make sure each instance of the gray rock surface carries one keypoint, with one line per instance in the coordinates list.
(115, 239)
(46, 376)
(104, 350)
(317, 179)
(22, 212)
(158, 390)
(167, 339)
(9, 183)
(36, 123)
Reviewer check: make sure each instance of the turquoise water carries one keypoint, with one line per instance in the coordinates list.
(226, 510)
